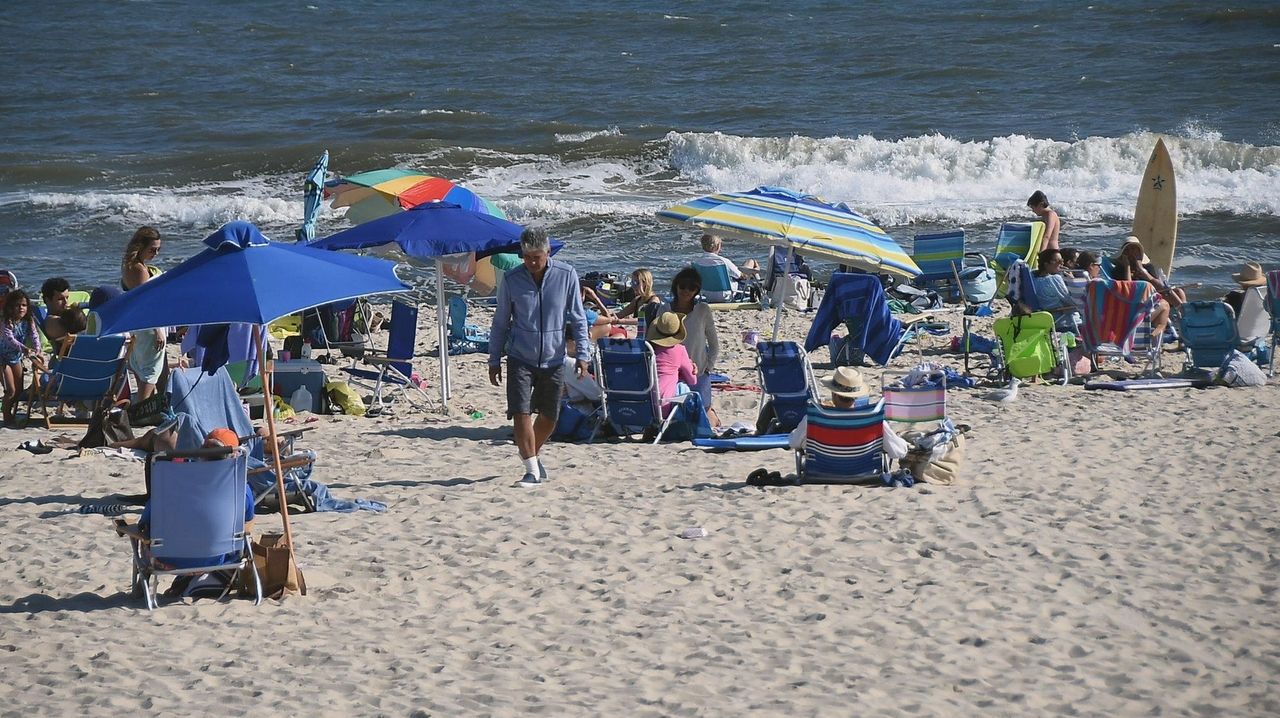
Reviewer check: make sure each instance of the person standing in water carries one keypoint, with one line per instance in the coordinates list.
(1039, 204)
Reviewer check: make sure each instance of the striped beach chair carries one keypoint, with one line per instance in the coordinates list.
(1016, 240)
(842, 446)
(915, 398)
(1117, 321)
(1273, 306)
(940, 257)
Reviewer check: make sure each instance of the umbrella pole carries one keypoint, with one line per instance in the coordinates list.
(442, 337)
(269, 410)
(782, 296)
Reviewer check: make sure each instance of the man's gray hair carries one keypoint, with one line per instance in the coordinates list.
(534, 239)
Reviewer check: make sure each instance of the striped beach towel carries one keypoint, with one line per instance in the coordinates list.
(1114, 311)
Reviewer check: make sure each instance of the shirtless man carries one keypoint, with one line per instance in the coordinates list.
(1039, 204)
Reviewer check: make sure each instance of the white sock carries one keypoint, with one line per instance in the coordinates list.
(531, 465)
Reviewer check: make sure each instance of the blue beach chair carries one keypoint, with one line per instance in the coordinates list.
(717, 285)
(1209, 333)
(464, 338)
(786, 382)
(842, 446)
(940, 257)
(393, 368)
(630, 399)
(89, 369)
(195, 520)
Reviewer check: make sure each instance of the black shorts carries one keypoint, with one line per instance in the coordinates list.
(531, 390)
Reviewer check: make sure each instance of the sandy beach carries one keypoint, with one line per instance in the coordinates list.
(1103, 554)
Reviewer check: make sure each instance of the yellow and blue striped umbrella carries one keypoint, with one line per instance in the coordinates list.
(783, 218)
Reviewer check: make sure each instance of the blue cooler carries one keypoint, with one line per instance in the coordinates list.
(301, 372)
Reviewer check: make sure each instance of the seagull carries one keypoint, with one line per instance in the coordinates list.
(1005, 395)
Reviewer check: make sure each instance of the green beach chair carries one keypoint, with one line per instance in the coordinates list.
(1032, 346)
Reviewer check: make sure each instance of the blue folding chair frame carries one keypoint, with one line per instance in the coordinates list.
(630, 399)
(197, 509)
(89, 369)
(786, 379)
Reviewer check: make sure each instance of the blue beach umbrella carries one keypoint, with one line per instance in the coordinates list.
(798, 222)
(430, 231)
(312, 198)
(244, 278)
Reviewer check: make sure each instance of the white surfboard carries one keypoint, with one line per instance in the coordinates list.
(1155, 218)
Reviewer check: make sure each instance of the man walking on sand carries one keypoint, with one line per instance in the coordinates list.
(536, 301)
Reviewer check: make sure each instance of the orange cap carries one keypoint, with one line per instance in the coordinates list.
(222, 437)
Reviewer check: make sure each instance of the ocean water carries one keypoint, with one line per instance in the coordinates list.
(589, 117)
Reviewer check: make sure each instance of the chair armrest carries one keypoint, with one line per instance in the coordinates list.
(133, 531)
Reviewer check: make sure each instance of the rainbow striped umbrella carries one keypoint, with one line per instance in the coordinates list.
(370, 195)
(799, 222)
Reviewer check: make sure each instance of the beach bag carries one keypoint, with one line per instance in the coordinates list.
(277, 570)
(345, 398)
(797, 291)
(939, 465)
(149, 411)
(107, 425)
(1238, 370)
(573, 425)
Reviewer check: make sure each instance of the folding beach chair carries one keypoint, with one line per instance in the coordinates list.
(196, 520)
(717, 285)
(858, 302)
(8, 282)
(918, 397)
(940, 257)
(630, 397)
(1273, 306)
(1023, 298)
(88, 369)
(842, 446)
(1117, 321)
(1031, 346)
(1016, 240)
(464, 338)
(393, 368)
(786, 382)
(1253, 323)
(1209, 333)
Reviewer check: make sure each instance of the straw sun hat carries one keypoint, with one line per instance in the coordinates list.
(667, 330)
(1134, 240)
(846, 382)
(1250, 275)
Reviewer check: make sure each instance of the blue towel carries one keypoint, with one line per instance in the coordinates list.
(210, 399)
(859, 297)
(299, 479)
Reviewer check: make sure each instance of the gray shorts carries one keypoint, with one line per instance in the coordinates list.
(531, 390)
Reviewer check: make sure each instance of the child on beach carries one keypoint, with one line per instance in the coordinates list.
(19, 339)
(646, 302)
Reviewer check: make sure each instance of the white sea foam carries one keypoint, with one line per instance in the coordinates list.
(587, 135)
(173, 208)
(932, 178)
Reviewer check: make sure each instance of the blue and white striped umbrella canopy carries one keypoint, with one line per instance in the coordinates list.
(784, 218)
